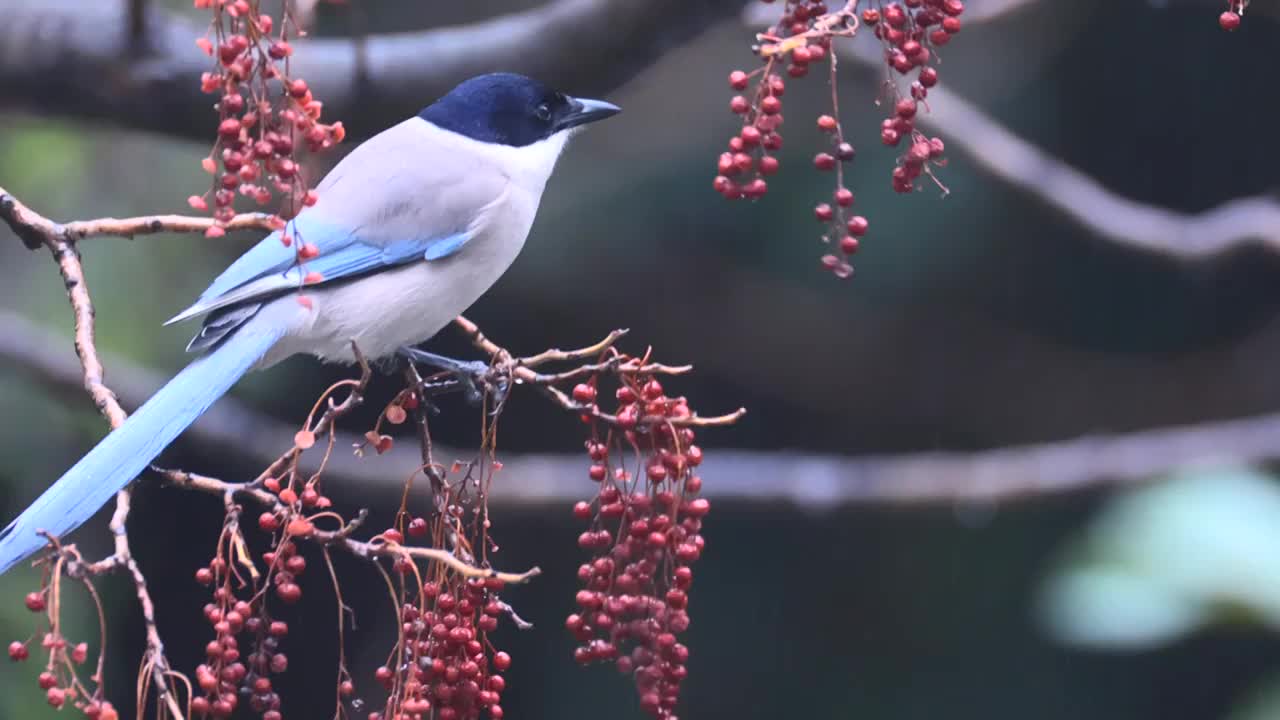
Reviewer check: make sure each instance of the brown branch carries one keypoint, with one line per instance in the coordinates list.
(151, 224)
(341, 538)
(67, 57)
(35, 231)
(521, 372)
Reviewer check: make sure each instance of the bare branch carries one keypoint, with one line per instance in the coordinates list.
(71, 58)
(35, 231)
(376, 548)
(520, 371)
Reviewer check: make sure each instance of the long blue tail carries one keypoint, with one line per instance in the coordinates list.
(127, 451)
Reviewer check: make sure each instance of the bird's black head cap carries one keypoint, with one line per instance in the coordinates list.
(511, 109)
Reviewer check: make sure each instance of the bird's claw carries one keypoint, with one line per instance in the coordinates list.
(473, 377)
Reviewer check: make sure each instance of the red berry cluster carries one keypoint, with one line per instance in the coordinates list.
(258, 138)
(1231, 18)
(59, 680)
(910, 30)
(447, 666)
(645, 536)
(226, 674)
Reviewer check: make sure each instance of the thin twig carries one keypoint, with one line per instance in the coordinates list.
(340, 538)
(521, 372)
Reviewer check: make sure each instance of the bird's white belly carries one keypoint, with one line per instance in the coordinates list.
(405, 306)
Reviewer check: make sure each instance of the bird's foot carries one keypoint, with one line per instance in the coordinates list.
(473, 377)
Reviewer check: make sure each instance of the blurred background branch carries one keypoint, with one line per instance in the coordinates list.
(814, 481)
(72, 58)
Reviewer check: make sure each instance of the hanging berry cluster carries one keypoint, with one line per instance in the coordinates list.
(60, 679)
(445, 661)
(1231, 18)
(226, 672)
(265, 114)
(239, 612)
(910, 32)
(644, 533)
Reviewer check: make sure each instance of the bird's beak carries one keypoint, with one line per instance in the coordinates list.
(585, 110)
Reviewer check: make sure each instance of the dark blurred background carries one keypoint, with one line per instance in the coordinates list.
(981, 321)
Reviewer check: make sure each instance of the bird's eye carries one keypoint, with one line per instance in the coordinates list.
(543, 112)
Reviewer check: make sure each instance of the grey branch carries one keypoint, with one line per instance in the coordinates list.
(810, 481)
(79, 59)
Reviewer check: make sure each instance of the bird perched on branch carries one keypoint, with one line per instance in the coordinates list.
(411, 227)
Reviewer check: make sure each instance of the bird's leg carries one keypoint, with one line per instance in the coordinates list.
(468, 375)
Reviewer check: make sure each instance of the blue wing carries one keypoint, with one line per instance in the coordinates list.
(269, 267)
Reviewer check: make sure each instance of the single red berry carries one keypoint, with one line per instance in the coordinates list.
(824, 161)
(229, 129)
(895, 16)
(289, 592)
(1229, 21)
(928, 77)
(18, 651)
(501, 661)
(739, 105)
(857, 226)
(47, 680)
(826, 123)
(418, 527)
(848, 245)
(823, 212)
(56, 697)
(268, 522)
(584, 393)
(296, 564)
(771, 105)
(768, 165)
(35, 602)
(738, 80)
(844, 197)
